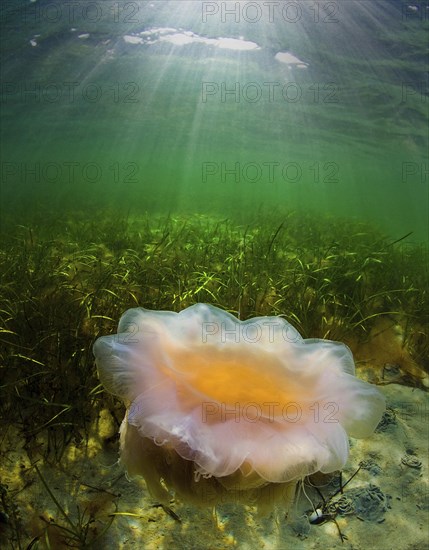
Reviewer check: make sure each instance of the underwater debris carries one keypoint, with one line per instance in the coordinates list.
(343, 506)
(387, 421)
(370, 503)
(371, 466)
(366, 503)
(411, 461)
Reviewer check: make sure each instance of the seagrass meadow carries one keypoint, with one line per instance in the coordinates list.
(65, 281)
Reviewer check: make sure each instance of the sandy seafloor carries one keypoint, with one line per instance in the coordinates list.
(387, 502)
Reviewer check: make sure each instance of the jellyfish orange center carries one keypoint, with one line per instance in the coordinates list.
(239, 377)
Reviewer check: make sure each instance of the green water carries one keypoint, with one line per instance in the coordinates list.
(149, 126)
(270, 160)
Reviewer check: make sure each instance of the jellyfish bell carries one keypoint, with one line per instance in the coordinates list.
(223, 410)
